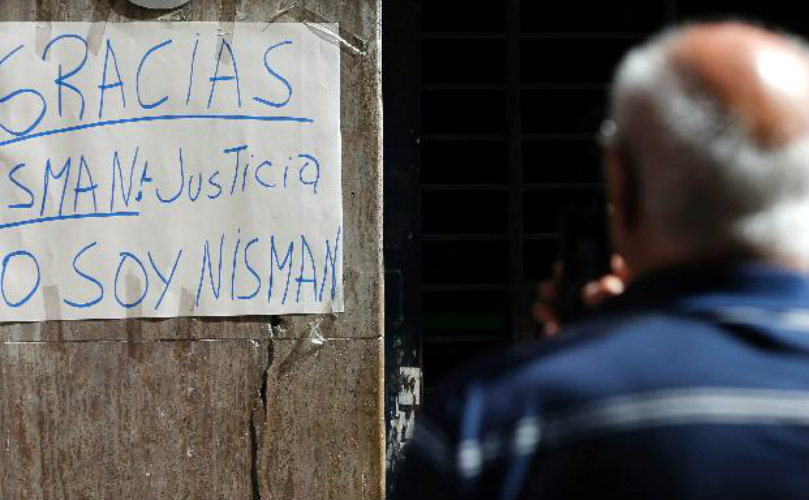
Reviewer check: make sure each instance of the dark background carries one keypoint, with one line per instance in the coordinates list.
(490, 114)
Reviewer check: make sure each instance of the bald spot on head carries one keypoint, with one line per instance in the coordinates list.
(758, 76)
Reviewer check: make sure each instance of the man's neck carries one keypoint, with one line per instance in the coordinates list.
(724, 259)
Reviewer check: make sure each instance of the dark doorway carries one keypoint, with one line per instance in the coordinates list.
(490, 115)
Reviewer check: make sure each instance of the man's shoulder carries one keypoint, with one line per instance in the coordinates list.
(491, 396)
(592, 359)
(602, 336)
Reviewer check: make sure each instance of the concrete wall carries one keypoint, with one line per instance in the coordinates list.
(252, 407)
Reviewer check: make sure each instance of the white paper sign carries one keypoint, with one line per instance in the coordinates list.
(159, 169)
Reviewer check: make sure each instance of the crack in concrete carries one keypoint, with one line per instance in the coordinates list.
(254, 482)
(255, 448)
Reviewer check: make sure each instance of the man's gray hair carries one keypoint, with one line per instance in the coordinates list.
(706, 184)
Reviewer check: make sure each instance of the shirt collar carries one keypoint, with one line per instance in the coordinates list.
(703, 286)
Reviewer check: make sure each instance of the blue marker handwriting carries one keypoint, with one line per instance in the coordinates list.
(232, 267)
(128, 87)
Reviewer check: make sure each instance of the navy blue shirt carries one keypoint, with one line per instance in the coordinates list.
(694, 383)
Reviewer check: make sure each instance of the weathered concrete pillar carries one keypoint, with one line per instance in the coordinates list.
(253, 407)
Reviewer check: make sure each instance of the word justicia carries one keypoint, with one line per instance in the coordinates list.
(107, 182)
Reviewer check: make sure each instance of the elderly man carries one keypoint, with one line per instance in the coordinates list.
(693, 383)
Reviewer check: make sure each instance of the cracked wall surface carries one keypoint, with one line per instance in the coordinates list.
(248, 407)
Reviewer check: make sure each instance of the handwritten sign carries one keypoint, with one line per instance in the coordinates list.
(159, 169)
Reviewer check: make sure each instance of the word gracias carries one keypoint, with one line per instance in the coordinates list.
(110, 80)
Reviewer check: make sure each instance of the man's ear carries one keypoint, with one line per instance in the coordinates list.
(623, 189)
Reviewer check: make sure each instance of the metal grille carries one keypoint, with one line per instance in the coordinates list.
(510, 98)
